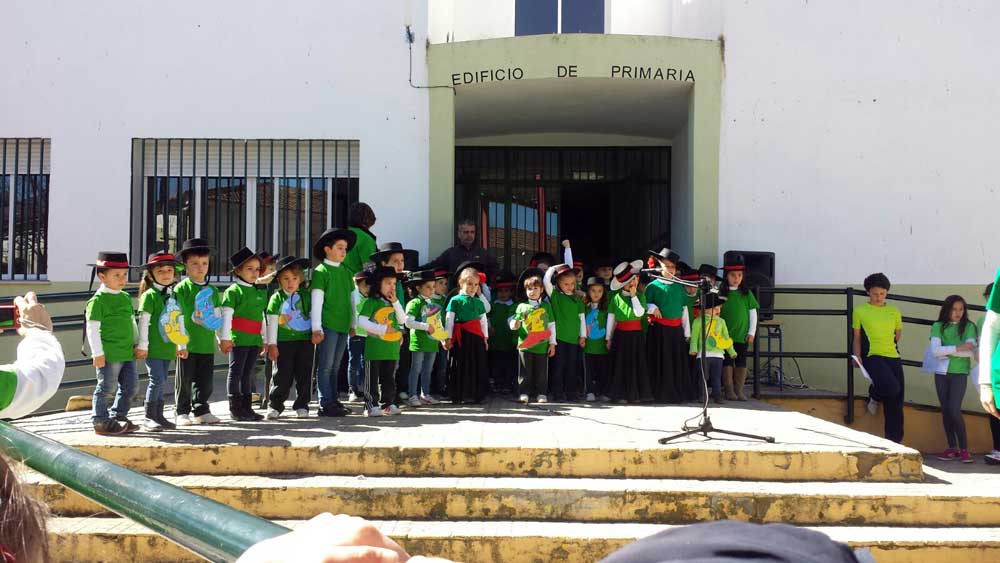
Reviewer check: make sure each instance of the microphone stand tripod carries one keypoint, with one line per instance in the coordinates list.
(705, 425)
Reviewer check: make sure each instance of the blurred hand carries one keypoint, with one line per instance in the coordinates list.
(98, 361)
(988, 400)
(317, 337)
(272, 352)
(141, 354)
(32, 313)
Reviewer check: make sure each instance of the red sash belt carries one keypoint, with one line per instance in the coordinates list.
(248, 326)
(473, 326)
(665, 322)
(628, 326)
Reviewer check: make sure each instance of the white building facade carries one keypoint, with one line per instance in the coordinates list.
(844, 136)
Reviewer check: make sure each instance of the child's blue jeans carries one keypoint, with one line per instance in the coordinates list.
(421, 367)
(714, 366)
(158, 370)
(356, 364)
(123, 374)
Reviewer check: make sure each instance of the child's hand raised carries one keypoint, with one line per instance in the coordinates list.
(565, 244)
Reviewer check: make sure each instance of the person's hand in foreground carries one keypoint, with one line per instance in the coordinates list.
(332, 539)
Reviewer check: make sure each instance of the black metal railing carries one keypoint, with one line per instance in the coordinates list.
(849, 293)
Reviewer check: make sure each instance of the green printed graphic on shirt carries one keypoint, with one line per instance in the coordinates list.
(422, 310)
(117, 317)
(152, 302)
(202, 340)
(597, 327)
(533, 335)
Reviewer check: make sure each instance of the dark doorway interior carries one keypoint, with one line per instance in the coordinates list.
(610, 202)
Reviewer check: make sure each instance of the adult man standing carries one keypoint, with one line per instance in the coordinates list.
(465, 251)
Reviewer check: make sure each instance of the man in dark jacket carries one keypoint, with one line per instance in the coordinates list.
(466, 250)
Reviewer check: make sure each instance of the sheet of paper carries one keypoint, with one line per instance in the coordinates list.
(859, 365)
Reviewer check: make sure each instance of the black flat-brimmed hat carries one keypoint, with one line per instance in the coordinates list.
(527, 274)
(160, 258)
(267, 258)
(713, 299)
(541, 258)
(559, 270)
(389, 248)
(686, 272)
(624, 272)
(441, 274)
(286, 262)
(595, 280)
(375, 278)
(734, 263)
(421, 277)
(665, 254)
(477, 265)
(329, 237)
(194, 245)
(577, 266)
(708, 271)
(504, 280)
(112, 260)
(242, 256)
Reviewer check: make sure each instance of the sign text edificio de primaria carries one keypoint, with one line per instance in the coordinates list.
(571, 71)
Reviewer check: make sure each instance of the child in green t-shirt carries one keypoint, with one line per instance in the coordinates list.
(536, 337)
(333, 314)
(740, 313)
(288, 338)
(112, 334)
(394, 255)
(356, 343)
(468, 329)
(953, 344)
(242, 335)
(502, 353)
(596, 361)
(565, 381)
(630, 381)
(425, 319)
(161, 329)
(439, 382)
(382, 318)
(200, 304)
(714, 338)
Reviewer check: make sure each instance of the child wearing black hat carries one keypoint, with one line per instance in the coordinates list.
(382, 317)
(502, 354)
(571, 332)
(425, 319)
(356, 344)
(630, 376)
(468, 327)
(394, 255)
(596, 361)
(709, 331)
(242, 334)
(669, 330)
(161, 329)
(332, 315)
(288, 338)
(740, 313)
(535, 325)
(111, 332)
(200, 303)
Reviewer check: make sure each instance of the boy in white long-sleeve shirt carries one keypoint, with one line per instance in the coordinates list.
(112, 334)
(332, 315)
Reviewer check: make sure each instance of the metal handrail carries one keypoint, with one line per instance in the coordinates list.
(208, 528)
(847, 313)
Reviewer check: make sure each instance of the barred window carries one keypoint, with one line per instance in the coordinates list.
(274, 195)
(24, 208)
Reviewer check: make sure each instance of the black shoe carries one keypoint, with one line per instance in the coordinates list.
(335, 410)
(158, 412)
(236, 411)
(112, 427)
(248, 409)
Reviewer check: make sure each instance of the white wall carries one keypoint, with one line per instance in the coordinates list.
(860, 136)
(681, 195)
(94, 75)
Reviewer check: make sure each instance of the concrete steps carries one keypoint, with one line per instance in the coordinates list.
(90, 540)
(577, 500)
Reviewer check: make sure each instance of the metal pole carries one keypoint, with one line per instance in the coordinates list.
(849, 418)
(756, 355)
(208, 528)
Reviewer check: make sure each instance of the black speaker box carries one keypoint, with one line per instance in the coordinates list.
(759, 273)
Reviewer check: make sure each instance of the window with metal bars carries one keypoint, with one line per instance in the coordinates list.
(24, 208)
(273, 195)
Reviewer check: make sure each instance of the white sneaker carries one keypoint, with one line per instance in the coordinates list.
(393, 409)
(151, 425)
(352, 397)
(183, 420)
(542, 399)
(272, 414)
(992, 458)
(414, 401)
(872, 407)
(590, 398)
(207, 418)
(374, 411)
(403, 395)
(428, 400)
(302, 413)
(523, 399)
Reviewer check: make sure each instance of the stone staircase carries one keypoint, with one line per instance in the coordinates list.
(519, 484)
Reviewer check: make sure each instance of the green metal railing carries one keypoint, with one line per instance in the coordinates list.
(209, 529)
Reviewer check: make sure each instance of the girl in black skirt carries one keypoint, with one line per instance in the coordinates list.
(630, 375)
(465, 321)
(669, 329)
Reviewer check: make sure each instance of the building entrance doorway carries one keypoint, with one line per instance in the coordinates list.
(610, 202)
